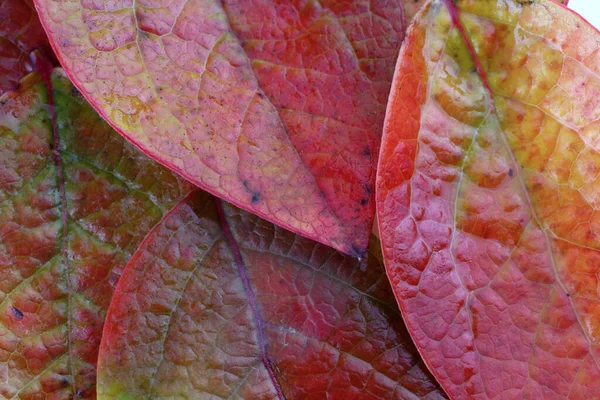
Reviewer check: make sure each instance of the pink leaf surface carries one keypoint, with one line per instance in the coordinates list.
(217, 303)
(275, 106)
(76, 200)
(488, 198)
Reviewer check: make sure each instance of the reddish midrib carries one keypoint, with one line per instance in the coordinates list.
(454, 12)
(461, 29)
(258, 319)
(44, 67)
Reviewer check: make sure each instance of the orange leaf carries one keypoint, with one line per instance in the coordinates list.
(75, 202)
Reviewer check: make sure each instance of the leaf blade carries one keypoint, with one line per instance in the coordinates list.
(210, 344)
(471, 220)
(282, 121)
(54, 295)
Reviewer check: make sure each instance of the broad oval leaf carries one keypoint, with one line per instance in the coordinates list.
(488, 197)
(218, 303)
(20, 33)
(69, 220)
(277, 107)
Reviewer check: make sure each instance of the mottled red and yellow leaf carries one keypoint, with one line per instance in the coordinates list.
(75, 201)
(275, 106)
(489, 197)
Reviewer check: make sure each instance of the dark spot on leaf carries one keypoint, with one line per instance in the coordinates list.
(368, 189)
(510, 172)
(17, 313)
(357, 252)
(64, 382)
(568, 294)
(366, 152)
(79, 393)
(74, 91)
(255, 197)
(364, 201)
(261, 95)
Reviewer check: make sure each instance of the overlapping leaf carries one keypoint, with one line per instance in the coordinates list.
(20, 33)
(276, 107)
(218, 303)
(489, 194)
(411, 7)
(69, 220)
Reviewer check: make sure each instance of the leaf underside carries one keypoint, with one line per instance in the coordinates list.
(217, 303)
(489, 196)
(68, 225)
(277, 107)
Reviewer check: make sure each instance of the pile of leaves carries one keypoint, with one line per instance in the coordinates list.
(188, 190)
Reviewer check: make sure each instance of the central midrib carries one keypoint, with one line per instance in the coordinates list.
(257, 316)
(454, 12)
(43, 66)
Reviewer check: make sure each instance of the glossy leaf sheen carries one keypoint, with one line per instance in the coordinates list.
(275, 106)
(67, 228)
(292, 319)
(20, 33)
(488, 198)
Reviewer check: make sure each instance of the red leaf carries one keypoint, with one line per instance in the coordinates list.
(488, 195)
(276, 107)
(74, 205)
(20, 34)
(219, 303)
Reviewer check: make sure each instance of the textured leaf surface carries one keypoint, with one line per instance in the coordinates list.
(68, 225)
(488, 198)
(20, 33)
(411, 7)
(226, 305)
(275, 106)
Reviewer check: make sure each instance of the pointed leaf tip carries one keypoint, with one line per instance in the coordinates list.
(277, 107)
(217, 302)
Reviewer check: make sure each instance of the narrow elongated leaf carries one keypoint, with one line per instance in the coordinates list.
(74, 205)
(20, 33)
(276, 107)
(488, 198)
(218, 303)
